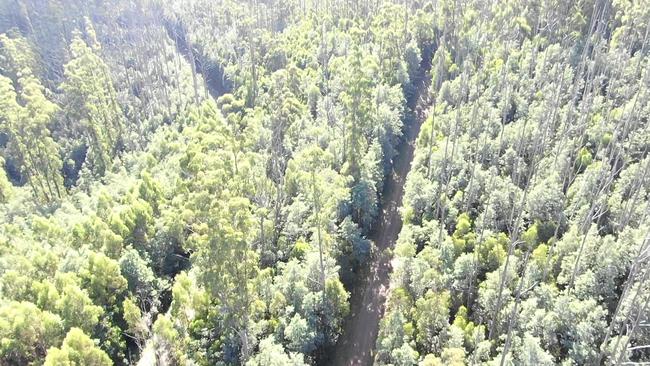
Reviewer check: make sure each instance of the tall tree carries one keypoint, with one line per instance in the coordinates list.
(27, 116)
(91, 106)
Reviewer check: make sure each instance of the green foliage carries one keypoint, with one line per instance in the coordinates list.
(530, 237)
(167, 340)
(299, 336)
(102, 277)
(5, 185)
(76, 308)
(584, 159)
(492, 252)
(77, 349)
(525, 208)
(273, 354)
(432, 320)
(26, 115)
(464, 240)
(26, 333)
(140, 278)
(98, 234)
(91, 102)
(299, 249)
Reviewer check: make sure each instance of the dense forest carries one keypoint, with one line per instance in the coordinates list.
(333, 182)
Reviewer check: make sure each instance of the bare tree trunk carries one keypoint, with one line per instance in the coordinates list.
(636, 266)
(318, 231)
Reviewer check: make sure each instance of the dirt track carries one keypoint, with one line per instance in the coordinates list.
(357, 343)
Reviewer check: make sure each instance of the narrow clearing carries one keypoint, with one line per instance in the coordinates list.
(357, 343)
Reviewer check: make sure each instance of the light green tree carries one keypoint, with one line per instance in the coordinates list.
(26, 333)
(77, 350)
(26, 117)
(91, 105)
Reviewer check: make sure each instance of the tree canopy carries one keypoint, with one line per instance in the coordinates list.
(220, 183)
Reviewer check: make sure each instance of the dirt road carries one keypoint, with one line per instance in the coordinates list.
(357, 343)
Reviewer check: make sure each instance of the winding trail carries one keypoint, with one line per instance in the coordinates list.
(357, 343)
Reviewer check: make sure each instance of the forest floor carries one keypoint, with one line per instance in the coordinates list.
(357, 343)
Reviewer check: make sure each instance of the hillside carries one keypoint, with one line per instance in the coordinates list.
(196, 182)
